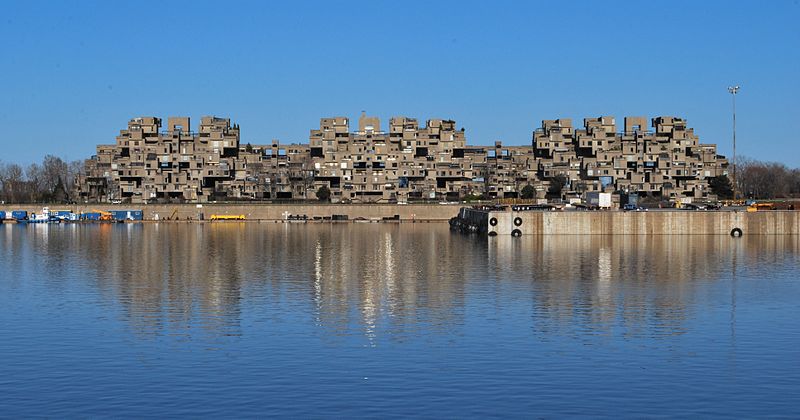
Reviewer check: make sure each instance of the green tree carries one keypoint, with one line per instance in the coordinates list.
(528, 192)
(473, 197)
(721, 186)
(557, 184)
(324, 193)
(59, 194)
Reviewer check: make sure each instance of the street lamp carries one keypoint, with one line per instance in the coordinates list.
(733, 90)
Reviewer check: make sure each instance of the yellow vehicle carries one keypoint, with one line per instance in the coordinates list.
(760, 207)
(227, 217)
(104, 215)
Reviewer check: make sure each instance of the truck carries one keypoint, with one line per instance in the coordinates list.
(598, 200)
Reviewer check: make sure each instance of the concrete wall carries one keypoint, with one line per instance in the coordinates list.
(531, 222)
(646, 223)
(409, 212)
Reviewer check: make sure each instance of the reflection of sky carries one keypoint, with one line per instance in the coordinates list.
(633, 285)
(289, 320)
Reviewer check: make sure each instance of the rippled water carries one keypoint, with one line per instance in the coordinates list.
(365, 320)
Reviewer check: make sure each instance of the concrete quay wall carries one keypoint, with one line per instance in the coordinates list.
(407, 212)
(639, 223)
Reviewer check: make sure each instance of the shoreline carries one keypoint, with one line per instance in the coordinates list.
(460, 217)
(323, 213)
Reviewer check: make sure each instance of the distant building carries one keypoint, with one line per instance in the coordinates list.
(407, 162)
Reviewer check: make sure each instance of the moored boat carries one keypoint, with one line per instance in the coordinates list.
(44, 217)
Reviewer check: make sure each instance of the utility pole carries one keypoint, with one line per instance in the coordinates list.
(733, 90)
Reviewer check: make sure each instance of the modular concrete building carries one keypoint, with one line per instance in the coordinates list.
(151, 163)
(668, 161)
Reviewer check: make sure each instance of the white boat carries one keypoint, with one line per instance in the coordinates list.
(43, 217)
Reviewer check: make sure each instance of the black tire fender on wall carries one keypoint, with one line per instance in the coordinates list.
(493, 221)
(736, 232)
(517, 221)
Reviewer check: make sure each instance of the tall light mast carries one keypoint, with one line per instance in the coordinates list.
(733, 90)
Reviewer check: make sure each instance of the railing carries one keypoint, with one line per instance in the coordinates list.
(634, 132)
(181, 132)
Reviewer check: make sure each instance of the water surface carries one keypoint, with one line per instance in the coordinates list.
(376, 320)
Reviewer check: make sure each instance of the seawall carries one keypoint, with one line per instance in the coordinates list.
(676, 222)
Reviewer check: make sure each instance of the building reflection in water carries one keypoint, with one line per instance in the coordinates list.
(391, 281)
(629, 285)
(387, 278)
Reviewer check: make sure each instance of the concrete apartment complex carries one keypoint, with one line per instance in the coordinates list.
(151, 163)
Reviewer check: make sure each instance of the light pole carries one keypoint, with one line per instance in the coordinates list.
(733, 91)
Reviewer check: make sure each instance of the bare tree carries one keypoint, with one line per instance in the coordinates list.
(756, 179)
(54, 172)
(13, 185)
(794, 182)
(4, 186)
(2, 182)
(75, 171)
(34, 187)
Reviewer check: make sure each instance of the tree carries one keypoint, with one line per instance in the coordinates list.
(12, 179)
(794, 182)
(528, 192)
(35, 190)
(474, 197)
(59, 194)
(557, 184)
(3, 182)
(53, 171)
(721, 186)
(324, 193)
(756, 179)
(75, 170)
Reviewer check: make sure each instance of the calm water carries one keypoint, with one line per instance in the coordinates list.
(244, 320)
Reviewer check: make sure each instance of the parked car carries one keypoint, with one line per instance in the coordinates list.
(633, 207)
(692, 206)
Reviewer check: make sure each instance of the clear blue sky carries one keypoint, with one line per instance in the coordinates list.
(74, 73)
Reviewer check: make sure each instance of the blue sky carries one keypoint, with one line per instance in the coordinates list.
(74, 73)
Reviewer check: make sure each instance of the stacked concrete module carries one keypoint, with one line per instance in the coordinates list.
(406, 162)
(668, 162)
(147, 163)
